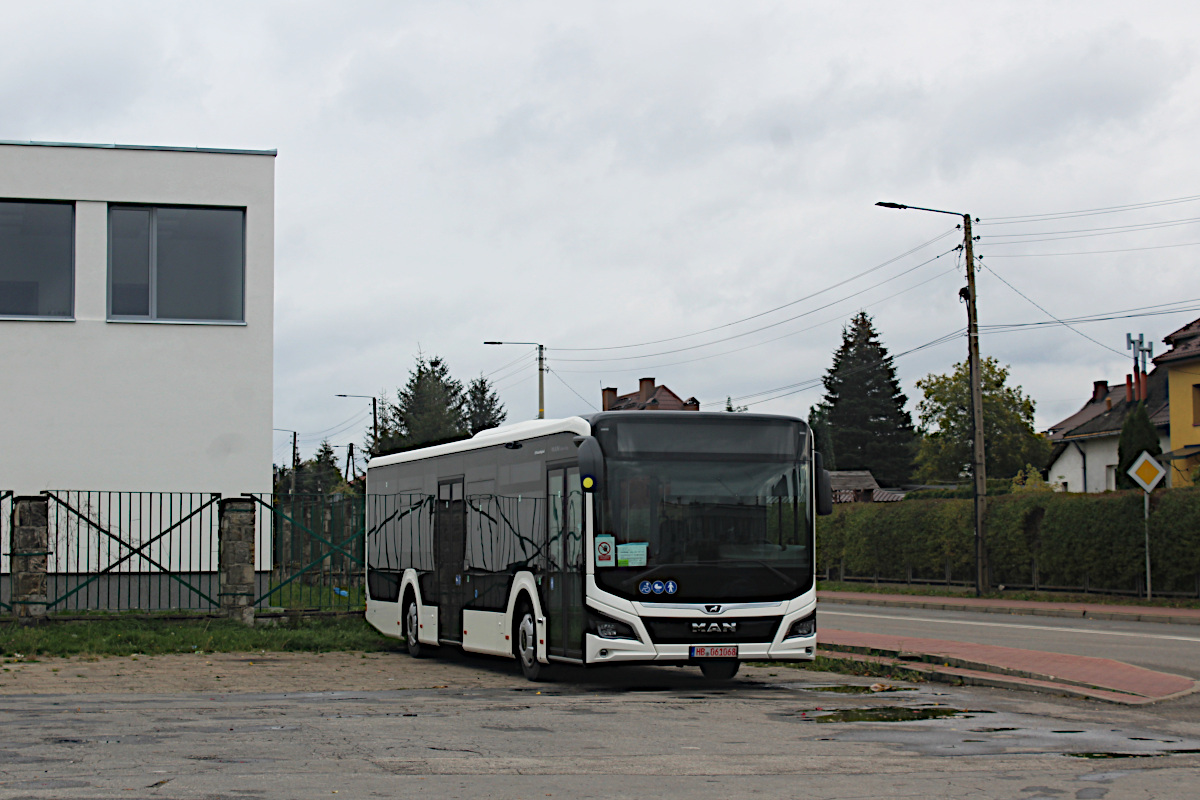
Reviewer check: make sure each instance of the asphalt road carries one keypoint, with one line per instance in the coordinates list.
(1168, 648)
(619, 733)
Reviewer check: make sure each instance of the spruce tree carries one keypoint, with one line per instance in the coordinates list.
(1137, 435)
(863, 407)
(430, 408)
(483, 407)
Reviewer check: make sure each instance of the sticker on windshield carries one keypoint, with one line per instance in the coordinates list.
(645, 587)
(606, 550)
(632, 554)
(672, 587)
(658, 587)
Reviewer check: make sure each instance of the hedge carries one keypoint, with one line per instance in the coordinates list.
(1041, 540)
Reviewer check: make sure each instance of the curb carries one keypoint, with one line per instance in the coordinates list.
(950, 604)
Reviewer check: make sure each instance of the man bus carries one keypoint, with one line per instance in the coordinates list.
(618, 537)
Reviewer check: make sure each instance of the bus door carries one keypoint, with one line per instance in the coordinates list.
(564, 585)
(449, 535)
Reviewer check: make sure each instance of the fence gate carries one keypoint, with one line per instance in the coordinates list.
(317, 552)
(119, 551)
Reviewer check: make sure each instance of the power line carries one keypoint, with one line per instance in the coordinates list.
(761, 313)
(1091, 252)
(509, 364)
(572, 388)
(1087, 233)
(1047, 313)
(765, 327)
(838, 318)
(1087, 212)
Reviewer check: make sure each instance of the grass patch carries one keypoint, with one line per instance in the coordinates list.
(1015, 594)
(123, 637)
(848, 666)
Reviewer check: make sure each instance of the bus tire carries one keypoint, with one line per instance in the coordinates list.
(720, 670)
(524, 637)
(412, 625)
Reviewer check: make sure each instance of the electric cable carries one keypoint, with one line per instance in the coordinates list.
(572, 388)
(1087, 212)
(761, 313)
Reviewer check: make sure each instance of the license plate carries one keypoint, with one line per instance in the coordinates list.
(725, 651)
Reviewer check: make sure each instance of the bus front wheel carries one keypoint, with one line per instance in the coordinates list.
(525, 644)
(719, 670)
(411, 627)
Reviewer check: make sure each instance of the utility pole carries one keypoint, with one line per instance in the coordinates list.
(541, 357)
(979, 470)
(349, 462)
(541, 382)
(295, 459)
(979, 474)
(374, 415)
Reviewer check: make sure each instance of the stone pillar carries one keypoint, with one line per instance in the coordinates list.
(30, 549)
(236, 558)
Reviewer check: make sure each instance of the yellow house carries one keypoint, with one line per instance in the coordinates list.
(1182, 363)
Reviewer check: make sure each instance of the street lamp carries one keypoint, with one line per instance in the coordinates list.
(374, 415)
(980, 476)
(541, 374)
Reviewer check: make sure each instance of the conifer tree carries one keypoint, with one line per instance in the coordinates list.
(1137, 435)
(430, 408)
(483, 407)
(864, 407)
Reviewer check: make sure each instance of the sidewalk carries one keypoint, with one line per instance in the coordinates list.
(1174, 616)
(964, 663)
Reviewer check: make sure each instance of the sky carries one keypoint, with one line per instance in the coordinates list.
(678, 190)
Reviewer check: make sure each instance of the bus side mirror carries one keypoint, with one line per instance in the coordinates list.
(824, 486)
(591, 462)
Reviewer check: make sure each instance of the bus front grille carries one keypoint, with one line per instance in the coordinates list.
(729, 630)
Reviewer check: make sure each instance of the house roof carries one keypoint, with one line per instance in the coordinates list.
(1109, 422)
(1185, 344)
(849, 480)
(661, 398)
(1091, 409)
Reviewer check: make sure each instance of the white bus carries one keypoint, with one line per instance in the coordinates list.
(626, 536)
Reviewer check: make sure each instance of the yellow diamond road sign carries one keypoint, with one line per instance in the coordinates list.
(1147, 472)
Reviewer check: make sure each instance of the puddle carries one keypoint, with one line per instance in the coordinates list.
(992, 730)
(892, 714)
(1114, 755)
(845, 689)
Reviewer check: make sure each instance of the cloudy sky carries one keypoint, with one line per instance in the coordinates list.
(690, 185)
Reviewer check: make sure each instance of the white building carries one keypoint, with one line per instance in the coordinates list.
(136, 318)
(1084, 458)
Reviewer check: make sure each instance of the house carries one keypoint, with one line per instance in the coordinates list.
(1182, 365)
(859, 486)
(136, 318)
(1084, 458)
(649, 397)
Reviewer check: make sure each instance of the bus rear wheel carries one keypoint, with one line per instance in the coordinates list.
(411, 627)
(525, 644)
(720, 670)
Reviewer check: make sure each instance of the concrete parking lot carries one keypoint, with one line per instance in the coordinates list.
(383, 725)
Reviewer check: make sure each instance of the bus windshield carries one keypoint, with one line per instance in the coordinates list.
(693, 525)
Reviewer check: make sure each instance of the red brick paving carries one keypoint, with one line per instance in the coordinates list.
(1018, 666)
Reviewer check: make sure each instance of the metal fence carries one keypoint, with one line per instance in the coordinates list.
(122, 551)
(6, 510)
(316, 551)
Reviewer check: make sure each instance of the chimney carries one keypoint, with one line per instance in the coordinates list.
(691, 404)
(1128, 388)
(608, 398)
(645, 389)
(1144, 387)
(1099, 391)
(1108, 403)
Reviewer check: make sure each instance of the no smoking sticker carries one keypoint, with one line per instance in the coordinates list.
(605, 551)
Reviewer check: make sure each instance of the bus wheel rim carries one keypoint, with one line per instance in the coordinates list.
(525, 640)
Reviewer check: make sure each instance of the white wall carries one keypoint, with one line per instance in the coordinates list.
(1101, 453)
(158, 406)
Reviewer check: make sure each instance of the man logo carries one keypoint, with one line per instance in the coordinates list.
(714, 627)
(713, 609)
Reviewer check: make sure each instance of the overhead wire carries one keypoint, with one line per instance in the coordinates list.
(1086, 212)
(764, 327)
(1092, 252)
(572, 388)
(1054, 236)
(921, 246)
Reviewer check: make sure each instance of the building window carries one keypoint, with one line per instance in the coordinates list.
(182, 264)
(1196, 403)
(37, 246)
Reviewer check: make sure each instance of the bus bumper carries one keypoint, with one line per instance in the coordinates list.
(615, 651)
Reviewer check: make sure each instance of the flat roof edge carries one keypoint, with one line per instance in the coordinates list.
(225, 150)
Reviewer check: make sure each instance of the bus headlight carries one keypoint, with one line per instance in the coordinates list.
(609, 628)
(804, 627)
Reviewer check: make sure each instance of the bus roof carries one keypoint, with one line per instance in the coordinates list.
(492, 436)
(532, 429)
